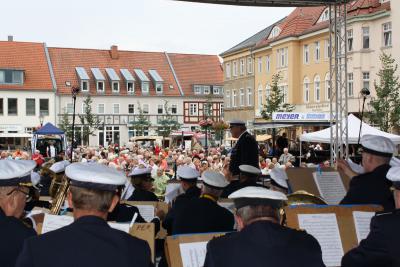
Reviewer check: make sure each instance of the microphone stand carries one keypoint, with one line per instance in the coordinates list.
(364, 93)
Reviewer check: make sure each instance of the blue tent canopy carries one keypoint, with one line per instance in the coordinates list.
(49, 129)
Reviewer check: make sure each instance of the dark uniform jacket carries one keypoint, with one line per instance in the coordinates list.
(181, 200)
(262, 244)
(89, 241)
(235, 185)
(202, 215)
(244, 152)
(13, 232)
(371, 188)
(381, 247)
(142, 195)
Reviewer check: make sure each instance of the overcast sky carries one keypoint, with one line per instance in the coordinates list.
(147, 25)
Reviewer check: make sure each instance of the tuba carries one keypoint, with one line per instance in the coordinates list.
(60, 189)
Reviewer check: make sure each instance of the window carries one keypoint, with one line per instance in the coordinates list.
(145, 87)
(83, 108)
(174, 109)
(317, 89)
(234, 101)
(282, 55)
(387, 34)
(228, 70)
(267, 91)
(145, 109)
(115, 108)
(275, 32)
(260, 98)
(221, 111)
(130, 87)
(228, 98)
(306, 86)
(12, 106)
(306, 54)
(350, 80)
(69, 109)
(160, 109)
(235, 68)
(159, 88)
(206, 89)
(197, 89)
(241, 67)
(1, 106)
(115, 87)
(284, 89)
(193, 109)
(11, 77)
(44, 107)
(268, 63)
(350, 40)
(241, 97)
(259, 65)
(131, 108)
(249, 97)
(249, 65)
(217, 90)
(327, 49)
(317, 52)
(100, 86)
(101, 108)
(365, 37)
(325, 15)
(30, 107)
(365, 80)
(85, 86)
(327, 87)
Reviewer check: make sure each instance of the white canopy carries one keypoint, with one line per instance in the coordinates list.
(323, 136)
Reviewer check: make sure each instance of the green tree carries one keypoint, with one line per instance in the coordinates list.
(66, 124)
(167, 123)
(275, 101)
(385, 108)
(89, 121)
(141, 123)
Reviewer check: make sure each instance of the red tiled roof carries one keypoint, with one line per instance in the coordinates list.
(29, 57)
(197, 69)
(64, 61)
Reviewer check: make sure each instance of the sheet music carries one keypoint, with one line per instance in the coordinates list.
(147, 212)
(54, 222)
(171, 192)
(325, 229)
(362, 221)
(120, 226)
(193, 254)
(330, 186)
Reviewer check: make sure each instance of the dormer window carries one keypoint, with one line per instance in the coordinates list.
(157, 80)
(100, 86)
(206, 89)
(275, 32)
(197, 89)
(130, 81)
(217, 90)
(83, 78)
(114, 79)
(12, 77)
(144, 80)
(324, 15)
(100, 79)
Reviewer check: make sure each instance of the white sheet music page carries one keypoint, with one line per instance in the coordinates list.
(362, 222)
(325, 229)
(330, 186)
(54, 222)
(120, 226)
(193, 254)
(147, 212)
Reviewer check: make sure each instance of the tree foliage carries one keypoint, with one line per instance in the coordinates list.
(275, 101)
(89, 121)
(141, 123)
(168, 122)
(385, 108)
(66, 124)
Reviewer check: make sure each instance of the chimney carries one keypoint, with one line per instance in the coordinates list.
(10, 38)
(114, 52)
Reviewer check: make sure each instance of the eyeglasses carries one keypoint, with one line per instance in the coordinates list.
(28, 195)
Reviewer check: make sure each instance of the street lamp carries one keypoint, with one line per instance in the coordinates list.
(41, 119)
(364, 93)
(74, 92)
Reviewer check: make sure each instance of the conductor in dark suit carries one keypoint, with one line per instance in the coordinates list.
(371, 187)
(261, 240)
(381, 247)
(89, 240)
(203, 214)
(246, 149)
(15, 177)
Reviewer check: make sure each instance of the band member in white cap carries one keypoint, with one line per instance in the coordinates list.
(143, 183)
(371, 187)
(203, 214)
(381, 247)
(261, 241)
(89, 241)
(15, 178)
(248, 176)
